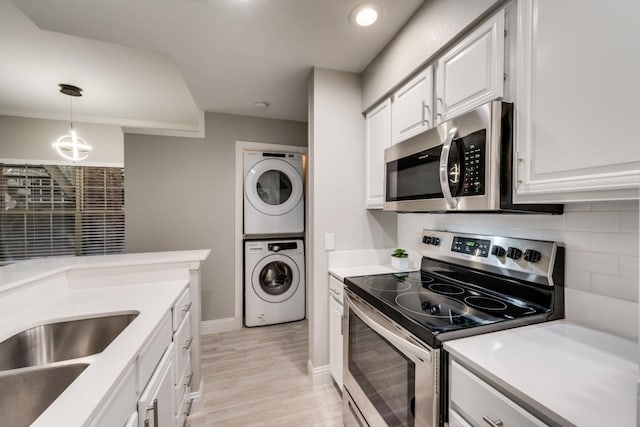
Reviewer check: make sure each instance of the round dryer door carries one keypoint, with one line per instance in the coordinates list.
(273, 186)
(275, 278)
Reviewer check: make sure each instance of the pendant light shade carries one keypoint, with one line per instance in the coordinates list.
(71, 146)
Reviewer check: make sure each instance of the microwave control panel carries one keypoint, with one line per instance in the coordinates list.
(473, 159)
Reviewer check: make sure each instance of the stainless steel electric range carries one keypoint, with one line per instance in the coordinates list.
(395, 368)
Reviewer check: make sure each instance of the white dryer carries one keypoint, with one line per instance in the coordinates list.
(273, 193)
(274, 285)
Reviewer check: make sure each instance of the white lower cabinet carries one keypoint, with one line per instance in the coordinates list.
(156, 406)
(472, 401)
(335, 330)
(158, 383)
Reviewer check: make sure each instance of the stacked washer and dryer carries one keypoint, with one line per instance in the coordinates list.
(274, 278)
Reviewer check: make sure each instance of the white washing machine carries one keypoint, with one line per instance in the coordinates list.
(273, 193)
(274, 286)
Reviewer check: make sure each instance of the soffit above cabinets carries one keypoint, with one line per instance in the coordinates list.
(178, 57)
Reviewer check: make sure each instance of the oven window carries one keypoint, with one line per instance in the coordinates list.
(415, 177)
(385, 375)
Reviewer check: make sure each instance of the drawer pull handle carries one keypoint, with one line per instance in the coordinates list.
(189, 406)
(186, 307)
(154, 408)
(492, 423)
(188, 383)
(187, 344)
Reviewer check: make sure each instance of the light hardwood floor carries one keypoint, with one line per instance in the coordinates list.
(258, 377)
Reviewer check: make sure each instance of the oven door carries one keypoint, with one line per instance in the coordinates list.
(390, 378)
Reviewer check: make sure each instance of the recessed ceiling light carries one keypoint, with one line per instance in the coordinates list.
(261, 105)
(364, 15)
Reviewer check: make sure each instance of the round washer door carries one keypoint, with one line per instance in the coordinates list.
(275, 278)
(273, 187)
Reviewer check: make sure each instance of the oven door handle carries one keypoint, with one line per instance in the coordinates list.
(444, 169)
(400, 342)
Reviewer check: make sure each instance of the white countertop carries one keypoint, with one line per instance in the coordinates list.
(366, 262)
(34, 293)
(22, 272)
(571, 374)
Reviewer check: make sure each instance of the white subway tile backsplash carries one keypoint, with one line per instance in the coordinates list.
(577, 207)
(607, 315)
(629, 222)
(593, 221)
(571, 240)
(591, 261)
(615, 286)
(577, 279)
(615, 243)
(629, 267)
(619, 205)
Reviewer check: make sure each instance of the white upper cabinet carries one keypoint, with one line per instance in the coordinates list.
(412, 107)
(472, 72)
(577, 101)
(378, 138)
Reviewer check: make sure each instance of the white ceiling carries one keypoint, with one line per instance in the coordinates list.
(157, 62)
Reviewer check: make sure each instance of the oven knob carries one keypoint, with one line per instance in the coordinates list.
(426, 240)
(498, 251)
(514, 253)
(426, 305)
(435, 241)
(532, 256)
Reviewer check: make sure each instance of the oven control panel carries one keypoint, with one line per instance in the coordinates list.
(532, 260)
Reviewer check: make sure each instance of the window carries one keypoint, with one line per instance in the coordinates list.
(49, 210)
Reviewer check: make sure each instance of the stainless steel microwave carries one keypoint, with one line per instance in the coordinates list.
(463, 165)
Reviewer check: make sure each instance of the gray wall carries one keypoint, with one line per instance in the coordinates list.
(337, 192)
(179, 194)
(31, 140)
(432, 27)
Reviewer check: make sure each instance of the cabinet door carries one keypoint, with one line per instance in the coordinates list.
(378, 137)
(412, 107)
(472, 72)
(335, 340)
(577, 101)
(156, 406)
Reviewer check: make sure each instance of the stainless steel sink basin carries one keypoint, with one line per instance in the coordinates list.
(60, 341)
(25, 394)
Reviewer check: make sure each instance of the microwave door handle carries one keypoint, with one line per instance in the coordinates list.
(394, 339)
(444, 169)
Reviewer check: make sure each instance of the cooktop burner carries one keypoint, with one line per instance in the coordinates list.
(486, 303)
(427, 304)
(380, 283)
(443, 288)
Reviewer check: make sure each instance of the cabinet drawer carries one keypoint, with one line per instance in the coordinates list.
(153, 351)
(183, 386)
(336, 288)
(183, 339)
(477, 402)
(184, 410)
(181, 308)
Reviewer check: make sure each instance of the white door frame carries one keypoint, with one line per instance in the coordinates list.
(242, 146)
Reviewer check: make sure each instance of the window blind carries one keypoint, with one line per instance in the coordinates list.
(49, 210)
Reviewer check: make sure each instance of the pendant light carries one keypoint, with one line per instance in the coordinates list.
(71, 146)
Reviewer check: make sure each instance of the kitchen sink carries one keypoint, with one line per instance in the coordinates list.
(61, 341)
(26, 393)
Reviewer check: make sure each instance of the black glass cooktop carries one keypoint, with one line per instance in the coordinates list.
(447, 299)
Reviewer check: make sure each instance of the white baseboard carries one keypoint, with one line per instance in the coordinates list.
(216, 326)
(197, 406)
(319, 375)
